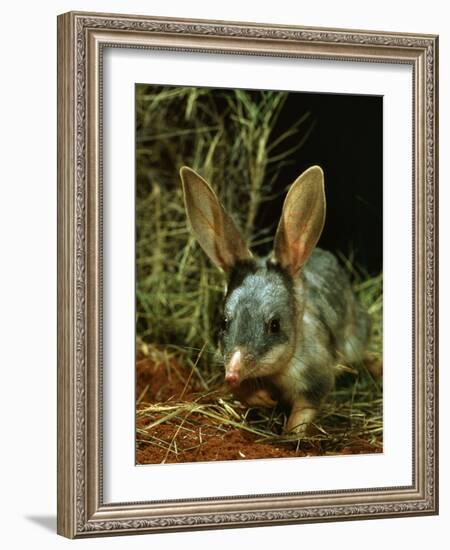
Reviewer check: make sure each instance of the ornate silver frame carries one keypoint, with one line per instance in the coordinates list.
(81, 37)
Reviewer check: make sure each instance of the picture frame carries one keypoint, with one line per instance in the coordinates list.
(82, 509)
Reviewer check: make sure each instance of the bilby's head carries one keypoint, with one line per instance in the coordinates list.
(258, 327)
(259, 321)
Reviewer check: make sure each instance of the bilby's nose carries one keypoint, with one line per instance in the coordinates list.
(232, 378)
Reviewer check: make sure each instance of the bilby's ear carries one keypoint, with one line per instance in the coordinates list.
(213, 228)
(302, 220)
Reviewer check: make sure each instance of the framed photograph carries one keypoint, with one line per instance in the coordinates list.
(247, 276)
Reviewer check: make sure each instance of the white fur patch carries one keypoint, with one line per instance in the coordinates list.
(273, 356)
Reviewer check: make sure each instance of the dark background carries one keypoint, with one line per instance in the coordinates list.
(347, 142)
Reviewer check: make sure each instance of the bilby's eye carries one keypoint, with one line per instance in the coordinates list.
(224, 324)
(274, 326)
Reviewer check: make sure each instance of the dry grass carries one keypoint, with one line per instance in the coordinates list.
(230, 137)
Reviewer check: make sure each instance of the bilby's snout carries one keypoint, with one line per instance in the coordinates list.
(237, 366)
(233, 368)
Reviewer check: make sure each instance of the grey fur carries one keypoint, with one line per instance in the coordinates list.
(319, 315)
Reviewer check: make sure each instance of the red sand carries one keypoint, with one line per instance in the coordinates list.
(203, 439)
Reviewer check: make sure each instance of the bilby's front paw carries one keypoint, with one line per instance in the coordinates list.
(252, 393)
(260, 398)
(301, 416)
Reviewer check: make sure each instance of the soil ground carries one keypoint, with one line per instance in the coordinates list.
(187, 435)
